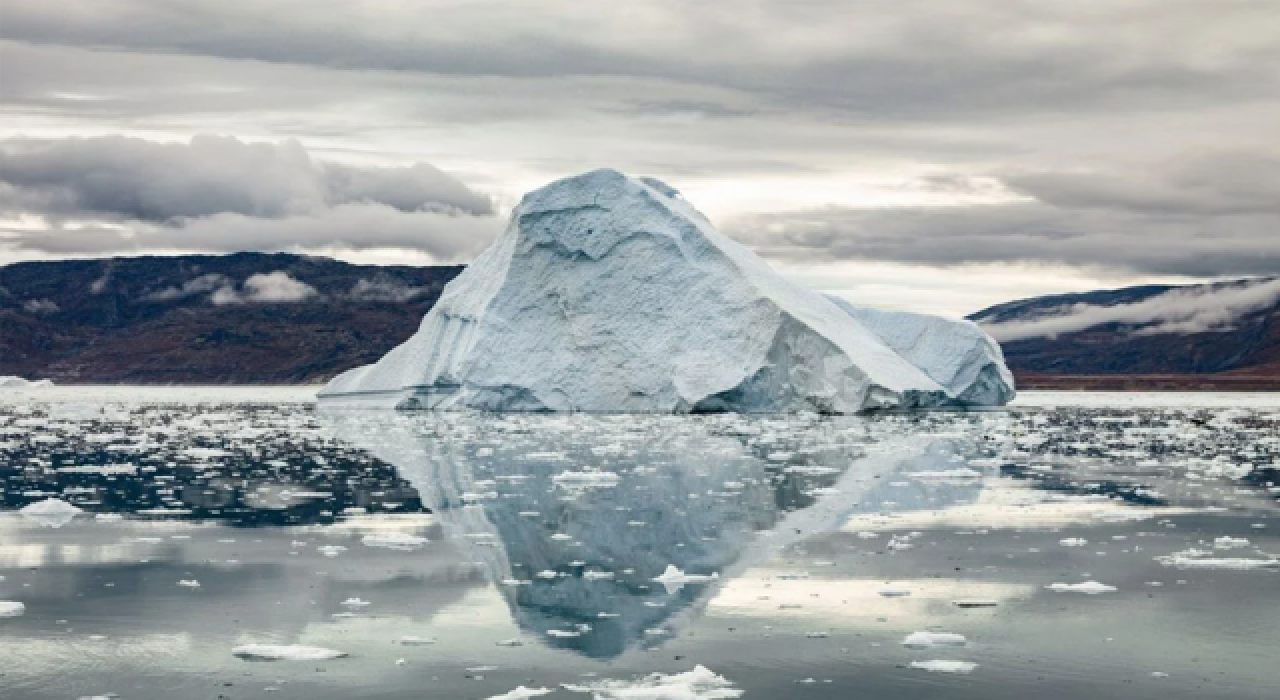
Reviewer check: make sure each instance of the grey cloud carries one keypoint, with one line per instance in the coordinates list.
(386, 289)
(858, 58)
(265, 288)
(133, 179)
(1209, 215)
(446, 237)
(1193, 310)
(199, 285)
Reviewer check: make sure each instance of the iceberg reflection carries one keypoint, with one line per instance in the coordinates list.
(584, 520)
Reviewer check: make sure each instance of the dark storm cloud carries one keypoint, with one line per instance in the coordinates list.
(1208, 215)
(136, 180)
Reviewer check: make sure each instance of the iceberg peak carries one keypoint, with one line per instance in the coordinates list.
(609, 293)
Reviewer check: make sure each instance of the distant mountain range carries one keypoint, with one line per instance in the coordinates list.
(1211, 336)
(237, 319)
(254, 318)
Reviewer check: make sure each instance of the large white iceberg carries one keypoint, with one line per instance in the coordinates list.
(608, 293)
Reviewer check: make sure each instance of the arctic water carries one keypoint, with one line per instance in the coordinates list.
(241, 543)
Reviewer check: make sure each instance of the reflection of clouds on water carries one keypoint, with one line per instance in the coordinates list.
(576, 516)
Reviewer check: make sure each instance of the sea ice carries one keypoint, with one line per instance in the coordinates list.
(51, 512)
(10, 608)
(285, 652)
(394, 540)
(945, 666)
(700, 683)
(673, 579)
(1087, 588)
(522, 693)
(924, 640)
(609, 293)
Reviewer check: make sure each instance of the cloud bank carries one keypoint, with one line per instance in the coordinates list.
(115, 194)
(1198, 309)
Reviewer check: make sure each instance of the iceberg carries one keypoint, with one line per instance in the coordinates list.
(608, 293)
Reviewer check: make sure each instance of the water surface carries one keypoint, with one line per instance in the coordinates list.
(464, 556)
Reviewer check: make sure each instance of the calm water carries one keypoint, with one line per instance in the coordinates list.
(467, 556)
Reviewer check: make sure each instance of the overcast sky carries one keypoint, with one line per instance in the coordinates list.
(915, 154)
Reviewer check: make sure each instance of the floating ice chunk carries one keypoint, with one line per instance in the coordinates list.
(975, 603)
(924, 640)
(1181, 561)
(585, 479)
(285, 652)
(700, 683)
(394, 540)
(101, 469)
(522, 693)
(945, 666)
(416, 641)
(11, 608)
(673, 579)
(946, 475)
(51, 512)
(1086, 587)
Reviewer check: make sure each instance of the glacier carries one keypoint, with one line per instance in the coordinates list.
(608, 293)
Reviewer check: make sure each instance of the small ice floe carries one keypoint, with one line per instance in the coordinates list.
(925, 640)
(1184, 560)
(585, 479)
(51, 512)
(698, 684)
(400, 541)
(1086, 587)
(1230, 543)
(189, 583)
(522, 693)
(945, 666)
(12, 608)
(947, 475)
(1073, 542)
(285, 652)
(975, 603)
(673, 579)
(100, 469)
(416, 641)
